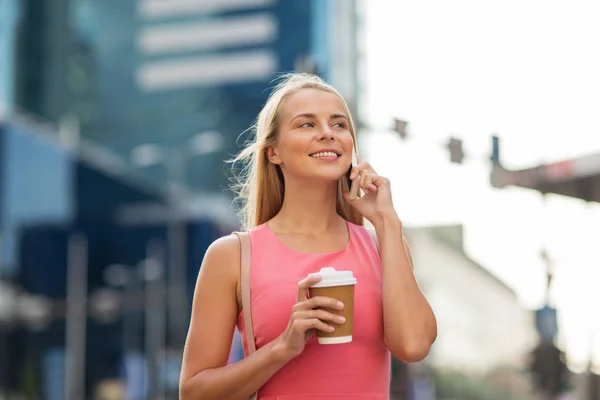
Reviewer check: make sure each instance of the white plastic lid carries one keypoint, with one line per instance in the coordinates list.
(331, 277)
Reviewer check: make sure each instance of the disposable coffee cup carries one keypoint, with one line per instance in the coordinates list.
(338, 285)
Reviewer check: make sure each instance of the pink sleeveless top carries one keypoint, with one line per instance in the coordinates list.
(356, 370)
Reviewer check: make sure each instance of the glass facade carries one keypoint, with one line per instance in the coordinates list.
(43, 49)
(30, 192)
(8, 22)
(155, 72)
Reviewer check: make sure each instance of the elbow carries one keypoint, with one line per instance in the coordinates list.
(190, 389)
(411, 353)
(412, 345)
(185, 390)
(199, 386)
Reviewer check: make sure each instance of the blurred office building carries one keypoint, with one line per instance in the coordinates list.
(157, 72)
(485, 334)
(116, 118)
(8, 20)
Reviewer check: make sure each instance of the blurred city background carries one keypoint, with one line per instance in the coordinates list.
(116, 117)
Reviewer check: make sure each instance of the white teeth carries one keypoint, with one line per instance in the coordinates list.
(324, 154)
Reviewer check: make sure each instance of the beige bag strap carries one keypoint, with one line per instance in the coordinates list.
(245, 262)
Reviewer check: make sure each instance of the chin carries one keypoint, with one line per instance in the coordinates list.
(324, 174)
(326, 177)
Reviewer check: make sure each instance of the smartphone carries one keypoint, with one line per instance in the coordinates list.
(353, 185)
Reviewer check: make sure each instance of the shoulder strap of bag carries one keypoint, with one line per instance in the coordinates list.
(246, 259)
(245, 262)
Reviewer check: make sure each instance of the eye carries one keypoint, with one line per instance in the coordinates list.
(306, 125)
(340, 124)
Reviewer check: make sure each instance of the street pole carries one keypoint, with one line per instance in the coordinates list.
(177, 247)
(4, 362)
(76, 318)
(131, 319)
(548, 266)
(7, 307)
(549, 272)
(593, 379)
(158, 252)
(153, 272)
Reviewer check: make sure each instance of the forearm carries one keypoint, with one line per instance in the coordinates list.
(236, 381)
(409, 323)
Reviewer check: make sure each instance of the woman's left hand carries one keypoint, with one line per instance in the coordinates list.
(376, 203)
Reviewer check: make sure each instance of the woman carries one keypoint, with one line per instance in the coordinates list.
(300, 217)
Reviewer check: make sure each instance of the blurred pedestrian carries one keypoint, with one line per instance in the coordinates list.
(297, 207)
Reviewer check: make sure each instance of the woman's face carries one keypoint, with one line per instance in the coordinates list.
(314, 140)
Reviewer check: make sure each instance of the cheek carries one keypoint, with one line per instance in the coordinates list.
(347, 142)
(291, 149)
(295, 144)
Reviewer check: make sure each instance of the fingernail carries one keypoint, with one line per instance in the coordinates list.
(331, 329)
(341, 319)
(340, 305)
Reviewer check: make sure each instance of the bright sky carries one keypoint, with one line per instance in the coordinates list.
(527, 70)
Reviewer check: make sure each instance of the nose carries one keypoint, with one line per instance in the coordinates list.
(326, 133)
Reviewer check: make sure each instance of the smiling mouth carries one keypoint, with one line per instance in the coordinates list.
(323, 154)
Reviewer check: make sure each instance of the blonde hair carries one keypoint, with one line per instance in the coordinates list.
(259, 184)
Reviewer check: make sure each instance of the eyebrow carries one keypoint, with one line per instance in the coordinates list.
(309, 115)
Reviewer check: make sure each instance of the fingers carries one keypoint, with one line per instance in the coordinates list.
(363, 166)
(307, 315)
(364, 177)
(303, 325)
(303, 286)
(321, 302)
(312, 313)
(358, 171)
(366, 182)
(319, 314)
(354, 189)
(317, 302)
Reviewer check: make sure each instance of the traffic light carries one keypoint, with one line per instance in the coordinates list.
(495, 157)
(455, 146)
(550, 373)
(400, 127)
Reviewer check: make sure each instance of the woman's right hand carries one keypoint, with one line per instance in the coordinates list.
(308, 315)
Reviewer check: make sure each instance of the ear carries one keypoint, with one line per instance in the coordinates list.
(273, 156)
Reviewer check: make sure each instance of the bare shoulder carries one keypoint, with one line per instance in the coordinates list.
(222, 258)
(225, 248)
(222, 262)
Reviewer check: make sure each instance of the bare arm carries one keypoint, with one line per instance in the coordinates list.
(410, 326)
(205, 373)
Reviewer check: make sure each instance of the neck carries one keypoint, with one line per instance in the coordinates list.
(308, 208)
